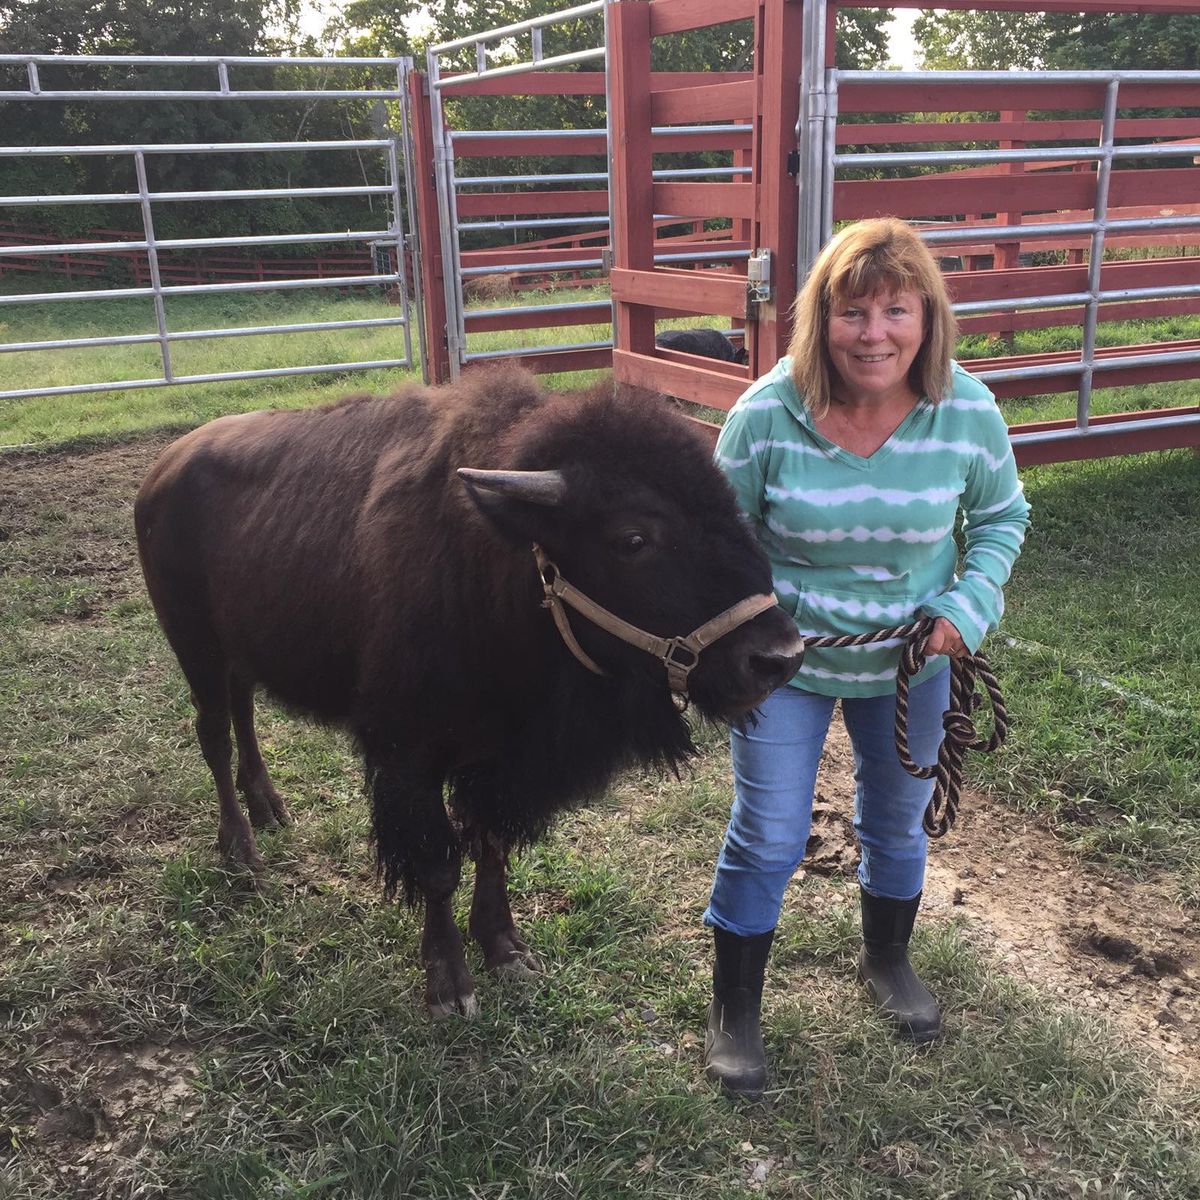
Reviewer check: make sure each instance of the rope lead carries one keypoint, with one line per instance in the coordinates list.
(960, 733)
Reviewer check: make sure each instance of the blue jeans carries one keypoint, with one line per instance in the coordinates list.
(774, 774)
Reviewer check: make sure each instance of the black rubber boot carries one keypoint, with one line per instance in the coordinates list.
(884, 967)
(733, 1045)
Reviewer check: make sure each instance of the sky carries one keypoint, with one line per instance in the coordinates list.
(901, 48)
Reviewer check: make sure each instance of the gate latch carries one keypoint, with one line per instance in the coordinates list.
(758, 279)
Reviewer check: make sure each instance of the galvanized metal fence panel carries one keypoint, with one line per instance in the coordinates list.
(398, 236)
(451, 185)
(821, 161)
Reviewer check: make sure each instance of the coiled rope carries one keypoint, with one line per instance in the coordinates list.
(960, 733)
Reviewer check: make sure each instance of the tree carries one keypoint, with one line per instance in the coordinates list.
(962, 40)
(1123, 42)
(861, 39)
(983, 41)
(165, 27)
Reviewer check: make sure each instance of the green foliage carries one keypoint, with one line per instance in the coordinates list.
(176, 27)
(983, 41)
(962, 40)
(1123, 42)
(862, 39)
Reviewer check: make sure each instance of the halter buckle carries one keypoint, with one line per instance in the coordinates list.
(678, 646)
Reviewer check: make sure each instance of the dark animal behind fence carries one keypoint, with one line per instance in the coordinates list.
(336, 558)
(710, 343)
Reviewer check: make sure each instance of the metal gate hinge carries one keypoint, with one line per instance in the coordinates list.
(758, 279)
(793, 163)
(606, 261)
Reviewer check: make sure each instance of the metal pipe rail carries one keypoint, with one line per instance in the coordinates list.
(521, 310)
(1070, 366)
(222, 63)
(195, 289)
(397, 188)
(558, 60)
(192, 148)
(583, 264)
(816, 131)
(190, 335)
(537, 61)
(534, 134)
(1038, 154)
(557, 222)
(592, 176)
(216, 377)
(264, 239)
(927, 79)
(382, 189)
(528, 351)
(504, 31)
(1028, 233)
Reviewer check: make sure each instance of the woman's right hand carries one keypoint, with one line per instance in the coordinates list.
(945, 639)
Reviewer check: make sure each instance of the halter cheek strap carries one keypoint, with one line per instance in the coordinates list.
(678, 654)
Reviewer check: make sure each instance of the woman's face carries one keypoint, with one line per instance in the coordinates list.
(872, 342)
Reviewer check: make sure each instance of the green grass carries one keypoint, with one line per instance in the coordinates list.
(1103, 677)
(224, 1045)
(293, 1018)
(1104, 400)
(62, 418)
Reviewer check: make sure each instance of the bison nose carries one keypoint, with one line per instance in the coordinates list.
(774, 670)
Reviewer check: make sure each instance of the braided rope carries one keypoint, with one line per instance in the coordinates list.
(960, 733)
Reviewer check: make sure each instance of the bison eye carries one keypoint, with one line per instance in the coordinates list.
(632, 542)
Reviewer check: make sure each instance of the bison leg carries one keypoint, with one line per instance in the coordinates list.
(491, 923)
(417, 844)
(234, 835)
(266, 806)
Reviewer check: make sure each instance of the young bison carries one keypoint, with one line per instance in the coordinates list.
(370, 564)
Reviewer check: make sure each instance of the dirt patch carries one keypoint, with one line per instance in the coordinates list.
(94, 1106)
(1096, 938)
(70, 517)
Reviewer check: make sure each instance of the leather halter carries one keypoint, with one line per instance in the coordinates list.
(678, 654)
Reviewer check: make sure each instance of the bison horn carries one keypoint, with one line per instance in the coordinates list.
(535, 487)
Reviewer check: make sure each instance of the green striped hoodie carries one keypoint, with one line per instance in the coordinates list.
(859, 544)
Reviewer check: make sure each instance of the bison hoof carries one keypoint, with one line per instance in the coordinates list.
(450, 990)
(519, 968)
(267, 810)
(241, 854)
(511, 958)
(458, 1006)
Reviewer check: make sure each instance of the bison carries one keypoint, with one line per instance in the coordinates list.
(369, 564)
(709, 343)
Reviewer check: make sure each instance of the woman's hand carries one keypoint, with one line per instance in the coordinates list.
(945, 639)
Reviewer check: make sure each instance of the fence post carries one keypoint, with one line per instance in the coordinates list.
(436, 366)
(778, 60)
(630, 164)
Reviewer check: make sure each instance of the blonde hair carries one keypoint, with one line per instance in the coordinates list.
(869, 257)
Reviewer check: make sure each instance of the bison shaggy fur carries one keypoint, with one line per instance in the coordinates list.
(336, 559)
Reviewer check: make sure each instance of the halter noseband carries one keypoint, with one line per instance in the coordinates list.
(678, 654)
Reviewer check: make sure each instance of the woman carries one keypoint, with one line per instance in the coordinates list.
(852, 460)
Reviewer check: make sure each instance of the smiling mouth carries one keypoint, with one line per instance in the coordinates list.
(872, 358)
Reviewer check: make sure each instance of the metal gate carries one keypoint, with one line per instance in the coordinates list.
(524, 209)
(560, 208)
(999, 208)
(393, 248)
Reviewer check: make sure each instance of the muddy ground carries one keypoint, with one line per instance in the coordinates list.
(1090, 935)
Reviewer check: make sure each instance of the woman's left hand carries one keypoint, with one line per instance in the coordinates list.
(945, 639)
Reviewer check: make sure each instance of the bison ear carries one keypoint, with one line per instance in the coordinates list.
(511, 499)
